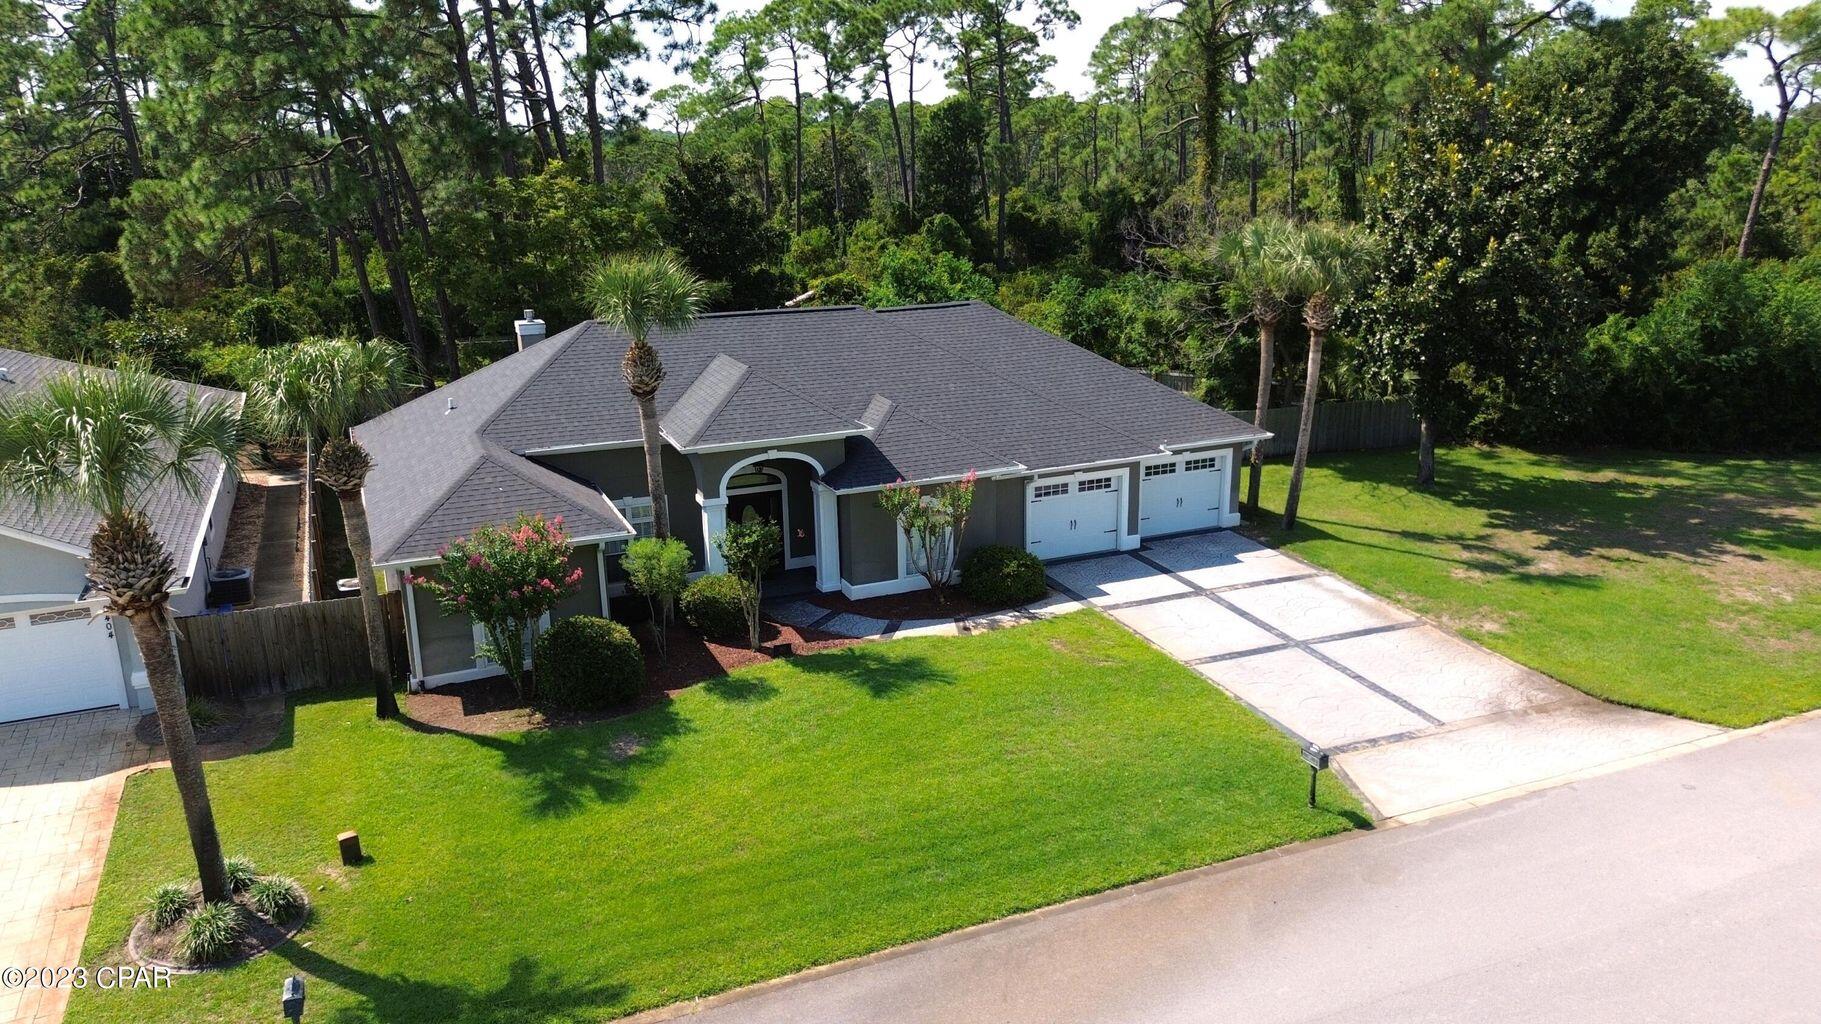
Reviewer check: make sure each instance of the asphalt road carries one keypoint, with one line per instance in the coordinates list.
(1684, 890)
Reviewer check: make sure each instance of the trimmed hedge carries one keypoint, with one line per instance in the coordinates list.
(712, 604)
(585, 663)
(1001, 575)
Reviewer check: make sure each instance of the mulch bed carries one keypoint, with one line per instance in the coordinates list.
(159, 949)
(232, 719)
(246, 525)
(489, 706)
(918, 604)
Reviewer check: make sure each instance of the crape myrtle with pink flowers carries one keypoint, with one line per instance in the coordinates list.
(506, 579)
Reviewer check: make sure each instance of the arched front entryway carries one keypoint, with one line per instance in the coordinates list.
(790, 483)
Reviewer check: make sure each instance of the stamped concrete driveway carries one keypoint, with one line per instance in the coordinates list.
(60, 783)
(1418, 719)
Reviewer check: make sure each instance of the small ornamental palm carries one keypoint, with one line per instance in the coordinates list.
(639, 294)
(1325, 265)
(106, 442)
(1257, 258)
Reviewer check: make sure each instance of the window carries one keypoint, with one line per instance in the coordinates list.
(1051, 490)
(1160, 469)
(1197, 465)
(638, 513)
(1101, 483)
(752, 480)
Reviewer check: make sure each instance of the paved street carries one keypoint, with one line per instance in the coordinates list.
(1687, 889)
(1421, 720)
(60, 783)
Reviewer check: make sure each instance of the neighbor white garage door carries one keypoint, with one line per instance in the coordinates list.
(1076, 515)
(57, 661)
(1181, 494)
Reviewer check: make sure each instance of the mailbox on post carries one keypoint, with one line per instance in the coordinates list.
(293, 999)
(1317, 759)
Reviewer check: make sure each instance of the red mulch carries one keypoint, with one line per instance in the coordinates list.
(918, 604)
(491, 705)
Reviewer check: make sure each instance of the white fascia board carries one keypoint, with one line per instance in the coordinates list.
(1220, 442)
(998, 473)
(734, 446)
(44, 542)
(592, 538)
(590, 446)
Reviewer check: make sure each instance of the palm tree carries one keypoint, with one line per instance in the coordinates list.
(638, 293)
(107, 442)
(1324, 265)
(319, 390)
(1256, 258)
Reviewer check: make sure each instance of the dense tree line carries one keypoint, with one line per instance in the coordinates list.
(188, 182)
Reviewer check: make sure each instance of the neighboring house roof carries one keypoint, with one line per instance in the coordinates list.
(916, 393)
(177, 515)
(437, 477)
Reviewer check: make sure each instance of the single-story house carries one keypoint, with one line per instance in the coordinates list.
(58, 651)
(802, 415)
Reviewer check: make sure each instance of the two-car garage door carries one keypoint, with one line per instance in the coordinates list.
(1083, 514)
(56, 661)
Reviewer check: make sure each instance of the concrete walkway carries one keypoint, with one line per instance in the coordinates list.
(1688, 889)
(60, 784)
(1419, 720)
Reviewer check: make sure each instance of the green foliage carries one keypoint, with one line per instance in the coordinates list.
(586, 663)
(715, 604)
(751, 548)
(211, 933)
(1728, 358)
(272, 322)
(506, 579)
(241, 873)
(202, 714)
(169, 904)
(658, 569)
(933, 523)
(1001, 576)
(322, 387)
(948, 161)
(640, 293)
(911, 274)
(277, 897)
(722, 234)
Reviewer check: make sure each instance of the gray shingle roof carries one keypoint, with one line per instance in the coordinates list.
(176, 515)
(918, 392)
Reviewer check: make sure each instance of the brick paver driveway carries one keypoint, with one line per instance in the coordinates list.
(60, 782)
(1416, 717)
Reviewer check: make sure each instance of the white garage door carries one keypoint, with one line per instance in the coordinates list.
(1182, 494)
(1075, 515)
(57, 661)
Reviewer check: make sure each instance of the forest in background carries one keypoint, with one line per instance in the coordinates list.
(1562, 201)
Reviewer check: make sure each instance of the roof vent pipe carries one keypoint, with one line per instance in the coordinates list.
(530, 330)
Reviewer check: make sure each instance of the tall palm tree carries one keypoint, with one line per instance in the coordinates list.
(1256, 258)
(108, 442)
(1325, 264)
(319, 390)
(639, 293)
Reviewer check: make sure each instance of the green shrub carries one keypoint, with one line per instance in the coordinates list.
(277, 897)
(712, 604)
(169, 903)
(1001, 575)
(241, 873)
(587, 663)
(202, 713)
(210, 933)
(272, 320)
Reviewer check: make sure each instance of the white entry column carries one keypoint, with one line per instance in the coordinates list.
(828, 539)
(714, 523)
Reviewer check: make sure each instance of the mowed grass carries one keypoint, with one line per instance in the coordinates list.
(795, 814)
(1684, 584)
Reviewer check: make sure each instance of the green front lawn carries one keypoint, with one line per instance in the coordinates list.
(785, 816)
(1684, 584)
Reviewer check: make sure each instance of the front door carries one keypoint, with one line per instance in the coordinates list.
(766, 505)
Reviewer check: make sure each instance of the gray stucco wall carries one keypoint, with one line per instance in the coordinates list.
(447, 641)
(620, 473)
(869, 539)
(27, 568)
(712, 466)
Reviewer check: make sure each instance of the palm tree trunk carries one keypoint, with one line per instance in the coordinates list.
(360, 545)
(1267, 340)
(1425, 452)
(654, 467)
(1304, 430)
(160, 659)
(311, 554)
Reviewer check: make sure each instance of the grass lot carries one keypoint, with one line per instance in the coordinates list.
(1688, 585)
(794, 814)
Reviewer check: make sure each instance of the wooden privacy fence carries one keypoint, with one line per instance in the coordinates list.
(260, 651)
(1340, 427)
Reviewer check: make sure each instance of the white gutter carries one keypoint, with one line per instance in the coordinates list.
(407, 563)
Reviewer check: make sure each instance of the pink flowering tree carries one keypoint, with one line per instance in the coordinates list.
(932, 523)
(506, 579)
